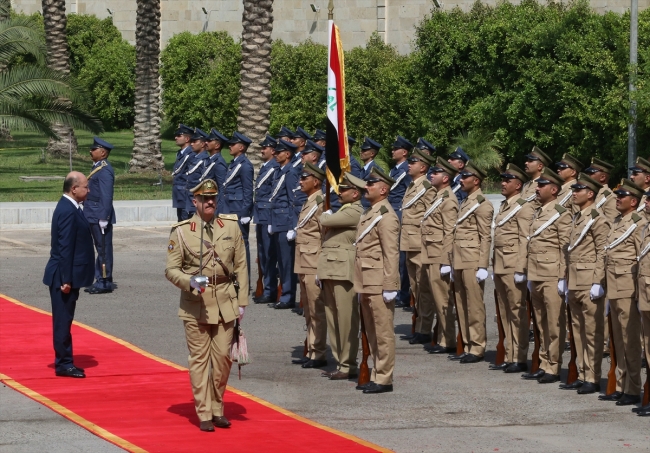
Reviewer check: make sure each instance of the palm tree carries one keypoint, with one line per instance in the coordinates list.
(58, 58)
(482, 147)
(255, 91)
(146, 141)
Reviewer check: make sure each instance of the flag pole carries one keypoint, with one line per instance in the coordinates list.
(328, 190)
(330, 10)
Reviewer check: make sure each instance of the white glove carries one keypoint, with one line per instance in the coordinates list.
(269, 229)
(520, 277)
(199, 283)
(389, 296)
(596, 292)
(561, 286)
(607, 307)
(444, 270)
(103, 224)
(244, 220)
(241, 313)
(481, 275)
(291, 235)
(318, 282)
(329, 211)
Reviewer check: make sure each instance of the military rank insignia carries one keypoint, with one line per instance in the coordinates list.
(193, 226)
(171, 245)
(220, 223)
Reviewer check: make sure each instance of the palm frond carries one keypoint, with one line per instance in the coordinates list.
(482, 147)
(34, 81)
(61, 111)
(19, 36)
(14, 117)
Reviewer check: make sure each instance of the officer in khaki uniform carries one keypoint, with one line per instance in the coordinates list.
(586, 281)
(511, 226)
(376, 278)
(417, 198)
(568, 168)
(437, 240)
(535, 163)
(644, 292)
(470, 258)
(546, 267)
(308, 247)
(641, 177)
(599, 170)
(336, 274)
(621, 267)
(212, 298)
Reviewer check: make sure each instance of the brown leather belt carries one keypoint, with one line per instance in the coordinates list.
(218, 280)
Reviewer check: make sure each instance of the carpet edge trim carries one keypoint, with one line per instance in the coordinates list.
(70, 415)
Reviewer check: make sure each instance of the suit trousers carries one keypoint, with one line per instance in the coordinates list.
(587, 326)
(626, 328)
(378, 320)
(314, 317)
(342, 312)
(443, 299)
(286, 257)
(209, 363)
(63, 307)
(551, 322)
(471, 310)
(104, 246)
(421, 293)
(511, 298)
(268, 259)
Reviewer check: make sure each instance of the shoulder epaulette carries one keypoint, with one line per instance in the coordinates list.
(445, 194)
(319, 199)
(228, 217)
(383, 210)
(521, 202)
(607, 193)
(559, 208)
(594, 213)
(181, 223)
(480, 198)
(636, 217)
(426, 184)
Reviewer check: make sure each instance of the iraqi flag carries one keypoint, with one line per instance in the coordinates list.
(337, 153)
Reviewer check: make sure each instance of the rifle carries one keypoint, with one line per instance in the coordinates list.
(434, 337)
(501, 349)
(460, 346)
(573, 368)
(364, 371)
(611, 375)
(535, 361)
(414, 316)
(104, 256)
(260, 284)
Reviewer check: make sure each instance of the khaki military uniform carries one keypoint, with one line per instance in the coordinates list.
(586, 267)
(417, 198)
(528, 193)
(644, 288)
(564, 198)
(546, 265)
(641, 208)
(511, 227)
(209, 318)
(621, 268)
(376, 269)
(308, 248)
(336, 273)
(437, 241)
(606, 203)
(471, 251)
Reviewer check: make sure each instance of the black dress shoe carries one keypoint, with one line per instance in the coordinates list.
(471, 358)
(408, 336)
(641, 409)
(516, 368)
(283, 305)
(399, 303)
(457, 357)
(613, 397)
(420, 339)
(315, 364)
(533, 376)
(378, 388)
(99, 290)
(549, 378)
(207, 426)
(588, 387)
(364, 386)
(501, 367)
(300, 361)
(300, 312)
(221, 422)
(573, 386)
(262, 300)
(72, 372)
(437, 349)
(628, 400)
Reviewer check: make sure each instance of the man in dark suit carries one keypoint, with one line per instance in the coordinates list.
(99, 211)
(69, 268)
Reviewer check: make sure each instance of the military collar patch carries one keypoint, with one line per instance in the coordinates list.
(171, 245)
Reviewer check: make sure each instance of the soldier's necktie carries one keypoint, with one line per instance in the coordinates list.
(208, 230)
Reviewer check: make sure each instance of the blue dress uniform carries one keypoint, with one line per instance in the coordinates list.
(179, 178)
(216, 166)
(237, 196)
(368, 143)
(195, 169)
(402, 180)
(283, 219)
(458, 154)
(266, 250)
(99, 207)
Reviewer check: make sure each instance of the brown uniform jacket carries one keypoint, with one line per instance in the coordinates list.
(308, 235)
(183, 255)
(564, 197)
(586, 249)
(620, 261)
(473, 233)
(422, 192)
(528, 193)
(438, 228)
(644, 268)
(376, 264)
(606, 203)
(510, 231)
(546, 255)
(336, 261)
(641, 208)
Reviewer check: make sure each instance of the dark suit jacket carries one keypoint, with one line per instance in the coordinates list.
(99, 204)
(72, 254)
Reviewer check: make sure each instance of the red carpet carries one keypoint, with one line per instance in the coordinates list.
(143, 403)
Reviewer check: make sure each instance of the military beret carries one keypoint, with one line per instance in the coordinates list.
(312, 170)
(585, 182)
(238, 137)
(311, 147)
(569, 161)
(598, 165)
(641, 165)
(206, 188)
(425, 146)
(183, 130)
(442, 166)
(627, 187)
(378, 175)
(459, 154)
(284, 145)
(199, 135)
(549, 177)
(514, 172)
(539, 155)
(268, 142)
(471, 170)
(352, 182)
(369, 143)
(285, 132)
(301, 133)
(99, 143)
(319, 135)
(402, 143)
(419, 156)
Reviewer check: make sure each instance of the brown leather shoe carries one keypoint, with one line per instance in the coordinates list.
(221, 422)
(328, 373)
(339, 376)
(207, 426)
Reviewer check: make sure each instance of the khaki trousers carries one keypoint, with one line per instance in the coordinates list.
(342, 312)
(551, 322)
(511, 298)
(314, 317)
(421, 292)
(443, 299)
(378, 320)
(645, 319)
(588, 327)
(209, 363)
(626, 327)
(471, 310)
